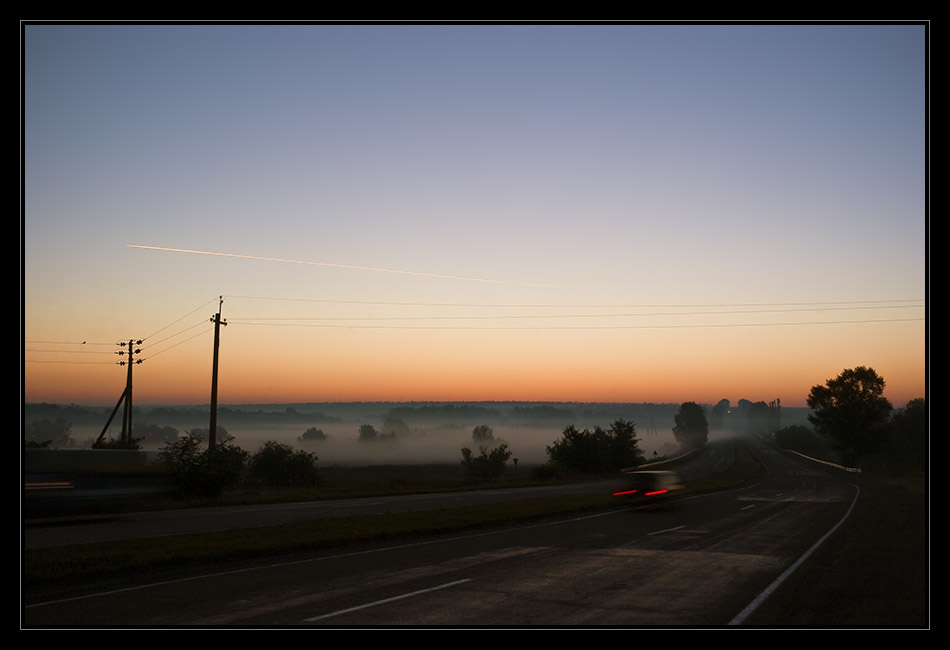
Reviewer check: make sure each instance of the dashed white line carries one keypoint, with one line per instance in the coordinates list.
(385, 600)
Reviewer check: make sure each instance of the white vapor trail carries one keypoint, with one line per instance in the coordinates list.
(337, 266)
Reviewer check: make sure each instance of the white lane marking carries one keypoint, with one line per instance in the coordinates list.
(385, 600)
(667, 530)
(758, 600)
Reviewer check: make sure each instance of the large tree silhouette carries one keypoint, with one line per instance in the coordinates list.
(690, 426)
(851, 410)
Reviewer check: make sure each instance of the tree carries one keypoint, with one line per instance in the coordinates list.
(851, 411)
(690, 427)
(718, 414)
(368, 432)
(195, 470)
(395, 428)
(313, 433)
(488, 464)
(909, 429)
(482, 433)
(622, 445)
(155, 435)
(277, 464)
(597, 451)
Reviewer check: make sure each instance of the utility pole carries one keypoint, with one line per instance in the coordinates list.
(125, 439)
(212, 431)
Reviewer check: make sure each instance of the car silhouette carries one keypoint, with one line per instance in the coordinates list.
(650, 487)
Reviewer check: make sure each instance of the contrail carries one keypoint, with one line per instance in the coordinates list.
(337, 266)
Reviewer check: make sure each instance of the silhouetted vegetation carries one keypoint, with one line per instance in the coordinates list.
(368, 433)
(49, 433)
(597, 451)
(194, 472)
(153, 434)
(444, 412)
(488, 463)
(690, 427)
(718, 414)
(909, 436)
(277, 464)
(313, 433)
(482, 433)
(851, 411)
(394, 427)
(541, 413)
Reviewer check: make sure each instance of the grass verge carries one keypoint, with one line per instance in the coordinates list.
(55, 565)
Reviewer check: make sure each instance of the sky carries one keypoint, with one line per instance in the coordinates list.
(593, 213)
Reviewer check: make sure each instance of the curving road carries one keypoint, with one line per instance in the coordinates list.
(705, 563)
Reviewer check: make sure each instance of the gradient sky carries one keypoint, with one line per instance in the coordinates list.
(584, 210)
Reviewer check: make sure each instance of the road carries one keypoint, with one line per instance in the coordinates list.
(704, 563)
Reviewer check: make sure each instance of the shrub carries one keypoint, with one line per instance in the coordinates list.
(277, 464)
(488, 464)
(194, 472)
(313, 433)
(597, 451)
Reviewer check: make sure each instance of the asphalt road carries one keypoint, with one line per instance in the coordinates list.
(707, 562)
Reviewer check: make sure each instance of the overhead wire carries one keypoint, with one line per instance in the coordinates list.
(684, 310)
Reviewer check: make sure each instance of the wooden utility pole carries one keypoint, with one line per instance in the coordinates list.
(127, 415)
(125, 437)
(212, 431)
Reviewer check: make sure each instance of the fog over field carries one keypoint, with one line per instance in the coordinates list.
(407, 433)
(433, 445)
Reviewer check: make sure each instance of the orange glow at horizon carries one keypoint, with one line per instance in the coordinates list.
(352, 366)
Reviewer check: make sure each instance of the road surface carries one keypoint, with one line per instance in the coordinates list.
(705, 563)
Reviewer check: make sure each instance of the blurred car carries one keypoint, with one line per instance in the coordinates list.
(650, 487)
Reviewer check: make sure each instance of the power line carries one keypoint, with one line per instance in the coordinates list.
(577, 327)
(552, 316)
(202, 306)
(585, 306)
(171, 347)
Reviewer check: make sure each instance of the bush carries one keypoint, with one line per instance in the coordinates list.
(368, 432)
(487, 464)
(276, 464)
(313, 433)
(597, 451)
(194, 472)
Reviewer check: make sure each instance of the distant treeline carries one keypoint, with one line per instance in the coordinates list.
(444, 413)
(647, 416)
(181, 415)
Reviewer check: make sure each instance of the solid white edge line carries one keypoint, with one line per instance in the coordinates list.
(761, 598)
(385, 600)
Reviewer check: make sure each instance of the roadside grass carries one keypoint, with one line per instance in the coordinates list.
(53, 565)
